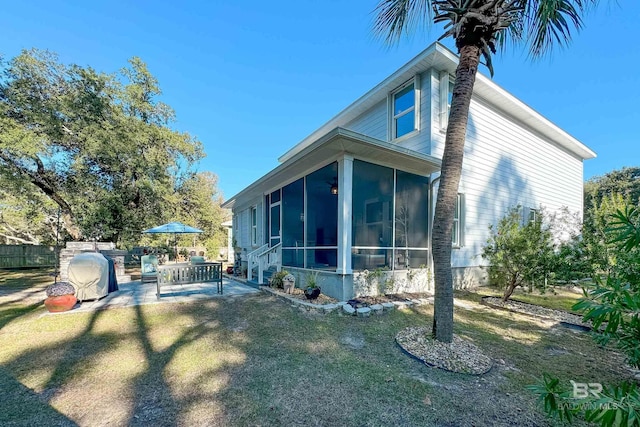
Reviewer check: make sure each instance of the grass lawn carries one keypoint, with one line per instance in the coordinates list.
(259, 361)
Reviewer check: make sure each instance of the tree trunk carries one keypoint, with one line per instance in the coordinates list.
(47, 184)
(448, 191)
(508, 291)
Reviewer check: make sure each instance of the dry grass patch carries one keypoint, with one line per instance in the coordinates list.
(258, 361)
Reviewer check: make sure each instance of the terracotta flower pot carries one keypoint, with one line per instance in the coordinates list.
(60, 303)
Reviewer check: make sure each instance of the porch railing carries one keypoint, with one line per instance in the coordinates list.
(263, 258)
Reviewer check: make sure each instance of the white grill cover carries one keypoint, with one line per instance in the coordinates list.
(89, 274)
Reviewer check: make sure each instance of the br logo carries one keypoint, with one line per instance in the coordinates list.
(584, 390)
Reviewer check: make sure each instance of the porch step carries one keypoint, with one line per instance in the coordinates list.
(266, 275)
(252, 283)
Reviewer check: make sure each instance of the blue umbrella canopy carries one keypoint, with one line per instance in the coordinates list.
(173, 227)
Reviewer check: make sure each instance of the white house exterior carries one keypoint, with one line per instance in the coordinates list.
(357, 195)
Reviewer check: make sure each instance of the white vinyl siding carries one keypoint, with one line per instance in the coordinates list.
(373, 123)
(505, 165)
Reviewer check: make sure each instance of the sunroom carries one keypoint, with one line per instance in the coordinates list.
(345, 204)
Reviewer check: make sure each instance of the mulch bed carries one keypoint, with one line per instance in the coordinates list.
(403, 297)
(537, 311)
(299, 294)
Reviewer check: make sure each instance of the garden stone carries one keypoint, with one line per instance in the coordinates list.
(348, 309)
(364, 312)
(387, 306)
(328, 308)
(399, 305)
(377, 308)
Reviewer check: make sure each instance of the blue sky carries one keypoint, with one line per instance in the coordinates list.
(250, 79)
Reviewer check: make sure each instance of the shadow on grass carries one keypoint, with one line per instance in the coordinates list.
(12, 311)
(258, 361)
(154, 400)
(21, 403)
(69, 357)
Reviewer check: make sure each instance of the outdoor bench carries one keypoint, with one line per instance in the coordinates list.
(180, 274)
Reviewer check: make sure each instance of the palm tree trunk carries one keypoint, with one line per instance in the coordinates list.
(448, 190)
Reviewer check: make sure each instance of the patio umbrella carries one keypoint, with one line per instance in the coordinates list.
(174, 228)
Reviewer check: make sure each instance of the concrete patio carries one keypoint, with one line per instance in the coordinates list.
(135, 293)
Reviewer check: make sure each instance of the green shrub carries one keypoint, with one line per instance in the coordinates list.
(519, 253)
(277, 280)
(612, 306)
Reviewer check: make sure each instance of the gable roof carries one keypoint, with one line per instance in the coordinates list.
(439, 57)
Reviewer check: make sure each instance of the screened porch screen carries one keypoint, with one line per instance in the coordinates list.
(310, 220)
(390, 212)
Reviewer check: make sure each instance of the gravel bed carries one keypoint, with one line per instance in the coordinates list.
(536, 310)
(299, 294)
(402, 297)
(459, 356)
(298, 297)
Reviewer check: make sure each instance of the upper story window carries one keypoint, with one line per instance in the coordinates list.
(446, 94)
(405, 109)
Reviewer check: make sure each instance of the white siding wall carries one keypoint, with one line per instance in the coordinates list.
(375, 122)
(243, 225)
(507, 164)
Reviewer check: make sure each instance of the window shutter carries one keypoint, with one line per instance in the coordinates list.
(525, 214)
(444, 98)
(462, 218)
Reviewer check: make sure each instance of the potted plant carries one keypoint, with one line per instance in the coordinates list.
(60, 297)
(277, 280)
(289, 282)
(312, 291)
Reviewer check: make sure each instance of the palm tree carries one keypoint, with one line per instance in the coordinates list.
(478, 27)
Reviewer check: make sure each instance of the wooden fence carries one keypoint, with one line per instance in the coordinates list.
(26, 256)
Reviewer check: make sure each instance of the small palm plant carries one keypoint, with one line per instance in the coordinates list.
(312, 290)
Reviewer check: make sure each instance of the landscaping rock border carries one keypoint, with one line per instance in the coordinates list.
(308, 306)
(375, 309)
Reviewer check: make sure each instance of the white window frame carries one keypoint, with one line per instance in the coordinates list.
(254, 225)
(458, 215)
(446, 80)
(415, 81)
(532, 215)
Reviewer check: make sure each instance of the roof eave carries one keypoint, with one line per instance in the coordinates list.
(336, 142)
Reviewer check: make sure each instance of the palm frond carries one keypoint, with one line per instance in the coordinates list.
(397, 17)
(551, 23)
